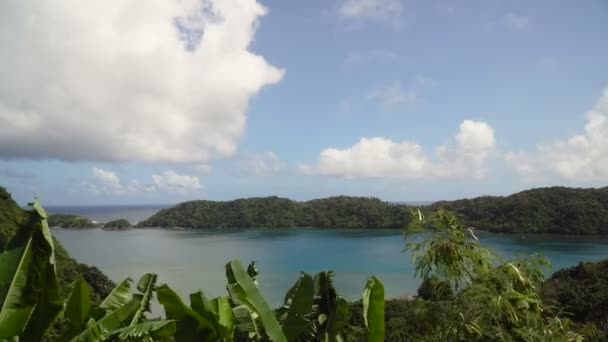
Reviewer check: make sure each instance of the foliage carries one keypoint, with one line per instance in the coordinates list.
(274, 212)
(70, 221)
(29, 293)
(31, 303)
(495, 300)
(117, 224)
(434, 289)
(581, 292)
(558, 210)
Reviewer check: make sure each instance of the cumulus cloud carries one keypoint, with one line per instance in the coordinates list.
(392, 96)
(389, 12)
(516, 22)
(580, 157)
(171, 180)
(262, 164)
(119, 80)
(108, 182)
(380, 157)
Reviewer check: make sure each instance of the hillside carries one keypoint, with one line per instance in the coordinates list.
(582, 291)
(69, 221)
(68, 269)
(557, 210)
(275, 212)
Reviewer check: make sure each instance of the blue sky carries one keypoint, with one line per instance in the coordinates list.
(402, 100)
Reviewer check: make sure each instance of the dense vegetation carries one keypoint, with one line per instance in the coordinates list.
(12, 218)
(558, 210)
(70, 221)
(275, 212)
(583, 292)
(489, 299)
(31, 304)
(117, 224)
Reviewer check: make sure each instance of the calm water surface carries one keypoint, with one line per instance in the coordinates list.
(190, 260)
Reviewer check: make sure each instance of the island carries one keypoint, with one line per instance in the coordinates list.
(554, 210)
(276, 212)
(120, 224)
(70, 221)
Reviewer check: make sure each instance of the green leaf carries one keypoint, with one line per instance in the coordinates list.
(297, 307)
(154, 329)
(190, 325)
(243, 290)
(337, 321)
(373, 309)
(100, 330)
(28, 283)
(78, 304)
(119, 296)
(146, 287)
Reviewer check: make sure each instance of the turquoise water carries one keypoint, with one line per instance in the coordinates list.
(192, 260)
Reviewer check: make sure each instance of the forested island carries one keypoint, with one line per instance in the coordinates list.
(556, 210)
(275, 212)
(120, 224)
(70, 221)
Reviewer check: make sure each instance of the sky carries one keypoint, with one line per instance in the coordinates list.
(109, 102)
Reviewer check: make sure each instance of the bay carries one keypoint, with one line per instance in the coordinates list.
(189, 260)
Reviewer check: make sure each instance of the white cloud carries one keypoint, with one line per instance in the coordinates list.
(582, 157)
(380, 157)
(108, 182)
(389, 12)
(117, 80)
(262, 164)
(516, 22)
(371, 57)
(105, 181)
(393, 95)
(171, 180)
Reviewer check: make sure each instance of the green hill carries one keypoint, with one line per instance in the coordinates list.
(68, 269)
(117, 224)
(556, 210)
(275, 212)
(69, 221)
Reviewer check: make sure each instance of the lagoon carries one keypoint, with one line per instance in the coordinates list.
(189, 260)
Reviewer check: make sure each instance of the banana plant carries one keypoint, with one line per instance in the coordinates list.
(29, 293)
(252, 313)
(373, 309)
(204, 320)
(121, 315)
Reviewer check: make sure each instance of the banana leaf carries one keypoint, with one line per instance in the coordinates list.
(146, 287)
(243, 291)
(29, 293)
(190, 326)
(294, 314)
(373, 309)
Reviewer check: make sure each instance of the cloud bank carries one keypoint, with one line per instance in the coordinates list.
(121, 80)
(108, 182)
(580, 157)
(381, 157)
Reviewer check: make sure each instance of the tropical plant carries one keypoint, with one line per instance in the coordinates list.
(31, 304)
(494, 300)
